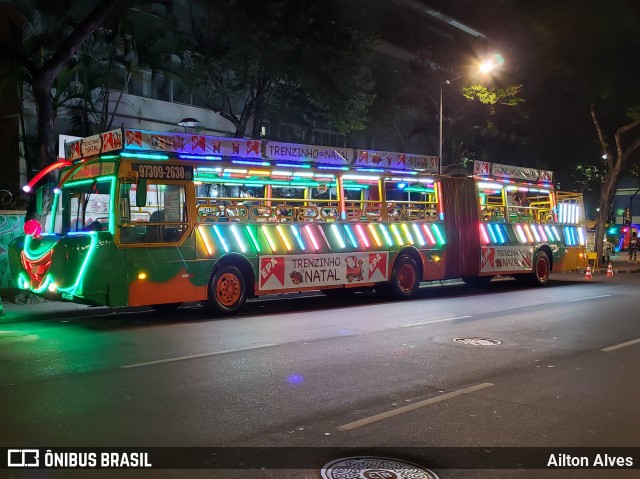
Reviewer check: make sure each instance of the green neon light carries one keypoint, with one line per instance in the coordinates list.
(36, 253)
(92, 247)
(254, 240)
(417, 189)
(108, 157)
(386, 235)
(146, 156)
(100, 179)
(112, 209)
(396, 233)
(54, 208)
(438, 234)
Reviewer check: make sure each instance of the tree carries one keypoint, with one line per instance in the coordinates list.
(283, 58)
(625, 150)
(51, 33)
(582, 70)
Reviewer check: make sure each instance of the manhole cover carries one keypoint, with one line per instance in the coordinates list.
(478, 341)
(374, 468)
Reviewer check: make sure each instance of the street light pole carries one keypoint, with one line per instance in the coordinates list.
(440, 134)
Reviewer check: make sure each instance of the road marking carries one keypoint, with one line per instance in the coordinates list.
(431, 321)
(590, 297)
(620, 346)
(193, 356)
(411, 407)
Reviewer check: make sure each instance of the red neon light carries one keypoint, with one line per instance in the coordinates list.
(44, 172)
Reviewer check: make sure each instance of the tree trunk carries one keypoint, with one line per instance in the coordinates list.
(607, 191)
(46, 115)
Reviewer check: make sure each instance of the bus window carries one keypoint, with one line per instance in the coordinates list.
(410, 199)
(162, 220)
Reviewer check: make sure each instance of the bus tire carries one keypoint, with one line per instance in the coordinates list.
(227, 291)
(541, 270)
(405, 278)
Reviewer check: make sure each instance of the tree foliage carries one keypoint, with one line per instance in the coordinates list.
(255, 60)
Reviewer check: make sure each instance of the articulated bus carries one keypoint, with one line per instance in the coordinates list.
(158, 219)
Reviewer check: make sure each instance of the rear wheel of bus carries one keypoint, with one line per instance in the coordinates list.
(541, 270)
(405, 278)
(227, 291)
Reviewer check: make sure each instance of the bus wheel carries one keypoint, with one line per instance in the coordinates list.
(405, 278)
(166, 307)
(541, 270)
(227, 291)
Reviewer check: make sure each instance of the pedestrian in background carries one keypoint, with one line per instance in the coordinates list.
(633, 247)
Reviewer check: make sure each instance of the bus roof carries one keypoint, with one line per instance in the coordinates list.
(195, 146)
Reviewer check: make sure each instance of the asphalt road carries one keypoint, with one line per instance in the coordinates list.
(556, 367)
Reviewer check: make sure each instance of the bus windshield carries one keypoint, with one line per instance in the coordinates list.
(84, 206)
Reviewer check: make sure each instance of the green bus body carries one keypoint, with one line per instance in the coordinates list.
(129, 227)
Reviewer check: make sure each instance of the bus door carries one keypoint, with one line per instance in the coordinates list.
(153, 230)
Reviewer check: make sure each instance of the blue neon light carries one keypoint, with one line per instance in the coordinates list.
(201, 157)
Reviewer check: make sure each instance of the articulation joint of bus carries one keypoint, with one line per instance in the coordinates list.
(159, 219)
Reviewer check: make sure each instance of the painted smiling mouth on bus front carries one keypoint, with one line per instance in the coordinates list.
(37, 269)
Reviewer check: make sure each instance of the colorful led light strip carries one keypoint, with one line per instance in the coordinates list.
(296, 235)
(534, 231)
(416, 230)
(145, 156)
(491, 233)
(362, 235)
(376, 238)
(337, 236)
(430, 237)
(528, 232)
(543, 235)
(254, 240)
(267, 235)
(386, 235)
(555, 232)
(483, 233)
(221, 238)
(239, 240)
(396, 233)
(201, 157)
(581, 236)
(499, 230)
(284, 238)
(521, 236)
(407, 233)
(547, 228)
(437, 187)
(439, 235)
(352, 238)
(324, 236)
(312, 237)
(205, 239)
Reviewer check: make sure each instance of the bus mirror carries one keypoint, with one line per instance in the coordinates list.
(141, 193)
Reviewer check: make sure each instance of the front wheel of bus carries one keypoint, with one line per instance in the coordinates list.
(227, 291)
(405, 278)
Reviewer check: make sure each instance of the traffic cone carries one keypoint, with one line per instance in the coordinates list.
(588, 275)
(610, 270)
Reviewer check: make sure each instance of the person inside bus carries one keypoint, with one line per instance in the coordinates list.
(513, 199)
(153, 233)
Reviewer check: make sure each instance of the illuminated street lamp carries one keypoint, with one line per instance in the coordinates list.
(485, 67)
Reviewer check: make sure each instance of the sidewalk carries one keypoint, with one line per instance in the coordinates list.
(620, 264)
